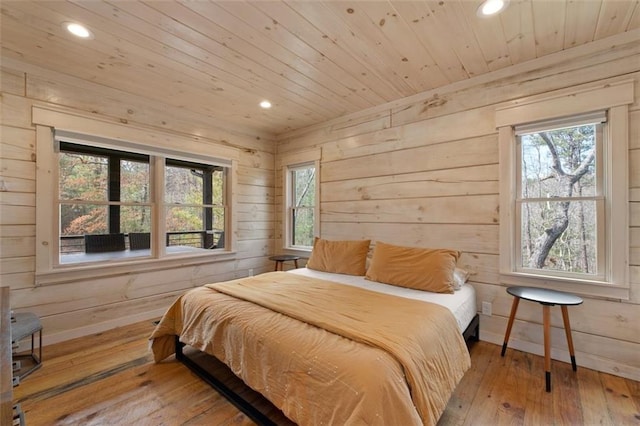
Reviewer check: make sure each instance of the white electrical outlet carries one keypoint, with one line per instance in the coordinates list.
(250, 272)
(486, 308)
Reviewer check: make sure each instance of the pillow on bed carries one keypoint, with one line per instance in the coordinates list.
(340, 257)
(460, 276)
(417, 268)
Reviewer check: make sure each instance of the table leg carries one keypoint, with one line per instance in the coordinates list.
(546, 320)
(567, 330)
(277, 263)
(295, 261)
(512, 316)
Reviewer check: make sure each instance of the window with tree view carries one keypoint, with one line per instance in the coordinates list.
(303, 201)
(560, 201)
(105, 205)
(103, 197)
(195, 204)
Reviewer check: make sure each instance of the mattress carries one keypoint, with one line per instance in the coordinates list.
(462, 303)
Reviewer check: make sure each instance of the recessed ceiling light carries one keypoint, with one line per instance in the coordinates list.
(77, 30)
(491, 7)
(265, 104)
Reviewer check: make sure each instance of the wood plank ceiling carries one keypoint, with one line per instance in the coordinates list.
(314, 60)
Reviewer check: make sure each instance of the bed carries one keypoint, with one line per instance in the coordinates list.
(330, 348)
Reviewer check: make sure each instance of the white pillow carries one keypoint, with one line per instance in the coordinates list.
(460, 276)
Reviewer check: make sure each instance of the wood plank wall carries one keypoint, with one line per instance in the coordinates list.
(78, 308)
(424, 172)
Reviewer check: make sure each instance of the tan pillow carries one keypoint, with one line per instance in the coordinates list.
(340, 257)
(418, 268)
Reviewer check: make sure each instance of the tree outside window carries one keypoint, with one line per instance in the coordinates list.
(195, 199)
(107, 192)
(101, 191)
(564, 186)
(303, 196)
(560, 199)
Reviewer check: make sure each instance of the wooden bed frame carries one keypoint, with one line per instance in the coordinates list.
(471, 333)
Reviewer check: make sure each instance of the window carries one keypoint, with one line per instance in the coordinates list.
(101, 192)
(105, 204)
(303, 202)
(195, 204)
(563, 190)
(112, 206)
(560, 202)
(301, 195)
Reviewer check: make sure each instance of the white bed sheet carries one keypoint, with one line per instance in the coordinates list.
(462, 303)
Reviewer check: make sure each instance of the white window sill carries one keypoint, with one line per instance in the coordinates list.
(83, 272)
(302, 252)
(591, 289)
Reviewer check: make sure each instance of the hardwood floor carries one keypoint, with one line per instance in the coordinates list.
(110, 379)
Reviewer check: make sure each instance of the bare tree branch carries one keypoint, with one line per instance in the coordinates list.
(583, 168)
(557, 165)
(545, 241)
(307, 185)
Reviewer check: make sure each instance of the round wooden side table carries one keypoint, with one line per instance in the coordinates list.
(546, 298)
(281, 258)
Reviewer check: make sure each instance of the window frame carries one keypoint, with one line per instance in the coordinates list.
(210, 206)
(599, 197)
(53, 125)
(612, 96)
(114, 157)
(289, 163)
(291, 209)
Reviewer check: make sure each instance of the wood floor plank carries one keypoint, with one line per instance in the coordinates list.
(166, 403)
(539, 409)
(593, 401)
(65, 367)
(110, 378)
(485, 406)
(512, 408)
(217, 414)
(564, 382)
(74, 405)
(622, 409)
(463, 398)
(634, 388)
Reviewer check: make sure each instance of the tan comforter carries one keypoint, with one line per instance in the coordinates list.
(324, 353)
